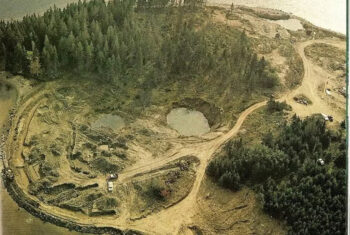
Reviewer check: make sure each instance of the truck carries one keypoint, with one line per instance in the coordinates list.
(327, 117)
(110, 186)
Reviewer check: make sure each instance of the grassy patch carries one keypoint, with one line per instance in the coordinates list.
(260, 123)
(295, 72)
(327, 56)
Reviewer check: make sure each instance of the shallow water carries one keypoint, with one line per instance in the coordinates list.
(188, 122)
(113, 122)
(291, 24)
(17, 221)
(329, 14)
(7, 98)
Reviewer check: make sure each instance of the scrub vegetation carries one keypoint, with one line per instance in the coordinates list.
(327, 56)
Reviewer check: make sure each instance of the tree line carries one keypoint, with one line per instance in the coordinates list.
(127, 39)
(287, 172)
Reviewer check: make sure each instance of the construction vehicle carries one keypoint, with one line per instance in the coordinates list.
(327, 117)
(113, 176)
(110, 186)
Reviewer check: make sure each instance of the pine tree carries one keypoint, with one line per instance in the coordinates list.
(19, 59)
(89, 54)
(2, 56)
(79, 55)
(46, 55)
(35, 67)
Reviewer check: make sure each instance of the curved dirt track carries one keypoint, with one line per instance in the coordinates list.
(314, 77)
(179, 214)
(177, 217)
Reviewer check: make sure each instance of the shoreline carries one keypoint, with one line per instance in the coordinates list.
(18, 17)
(328, 14)
(293, 16)
(33, 208)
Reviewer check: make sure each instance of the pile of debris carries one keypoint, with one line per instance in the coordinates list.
(7, 174)
(2, 146)
(342, 91)
(301, 100)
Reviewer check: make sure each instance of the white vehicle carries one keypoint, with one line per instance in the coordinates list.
(320, 161)
(109, 186)
(327, 117)
(113, 176)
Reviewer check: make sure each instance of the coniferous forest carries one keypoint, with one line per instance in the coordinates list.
(286, 171)
(120, 39)
(160, 41)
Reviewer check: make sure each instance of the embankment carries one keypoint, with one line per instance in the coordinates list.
(33, 208)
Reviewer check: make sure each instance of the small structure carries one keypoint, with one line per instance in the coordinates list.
(110, 186)
(328, 91)
(320, 161)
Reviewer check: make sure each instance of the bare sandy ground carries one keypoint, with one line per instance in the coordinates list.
(313, 85)
(175, 219)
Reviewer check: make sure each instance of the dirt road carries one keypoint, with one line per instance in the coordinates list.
(175, 219)
(314, 78)
(181, 214)
(204, 151)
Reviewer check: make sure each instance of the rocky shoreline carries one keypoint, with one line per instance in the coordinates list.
(32, 207)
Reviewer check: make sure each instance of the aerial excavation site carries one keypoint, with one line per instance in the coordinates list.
(166, 117)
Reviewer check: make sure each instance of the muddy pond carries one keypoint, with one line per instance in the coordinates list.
(109, 121)
(188, 122)
(290, 24)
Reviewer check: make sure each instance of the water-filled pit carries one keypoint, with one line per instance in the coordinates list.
(109, 121)
(188, 122)
(290, 24)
